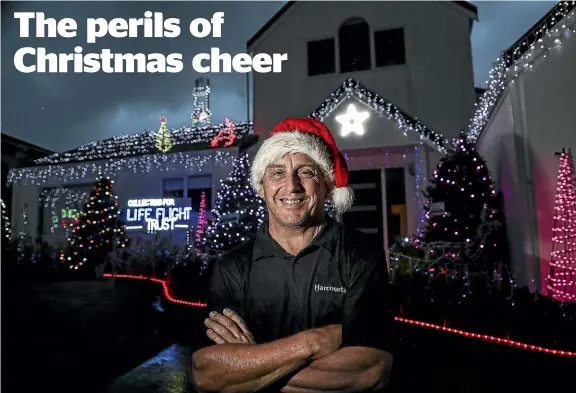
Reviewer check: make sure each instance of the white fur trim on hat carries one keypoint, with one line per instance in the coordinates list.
(283, 143)
(343, 198)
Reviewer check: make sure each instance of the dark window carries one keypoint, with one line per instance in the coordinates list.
(196, 196)
(321, 57)
(197, 185)
(173, 188)
(354, 37)
(389, 47)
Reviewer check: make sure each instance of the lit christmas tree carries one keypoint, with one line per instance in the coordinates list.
(562, 276)
(238, 211)
(201, 224)
(98, 229)
(163, 142)
(460, 213)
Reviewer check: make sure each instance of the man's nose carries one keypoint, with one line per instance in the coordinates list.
(293, 183)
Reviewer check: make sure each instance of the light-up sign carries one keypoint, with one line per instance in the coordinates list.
(158, 214)
(352, 121)
(69, 217)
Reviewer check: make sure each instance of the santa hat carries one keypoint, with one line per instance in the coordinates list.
(311, 137)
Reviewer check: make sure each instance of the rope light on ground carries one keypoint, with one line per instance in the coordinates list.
(484, 337)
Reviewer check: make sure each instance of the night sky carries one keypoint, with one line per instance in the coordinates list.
(62, 111)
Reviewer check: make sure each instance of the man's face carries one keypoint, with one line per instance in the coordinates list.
(295, 190)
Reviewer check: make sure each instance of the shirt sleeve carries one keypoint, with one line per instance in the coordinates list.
(368, 319)
(225, 292)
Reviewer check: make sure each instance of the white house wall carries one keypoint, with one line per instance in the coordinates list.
(436, 85)
(127, 185)
(536, 120)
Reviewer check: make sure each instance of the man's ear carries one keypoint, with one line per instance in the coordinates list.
(261, 192)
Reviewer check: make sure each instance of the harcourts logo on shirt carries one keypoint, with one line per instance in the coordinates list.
(323, 288)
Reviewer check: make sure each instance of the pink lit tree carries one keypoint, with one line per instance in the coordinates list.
(202, 223)
(562, 276)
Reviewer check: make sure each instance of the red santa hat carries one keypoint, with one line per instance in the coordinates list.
(311, 137)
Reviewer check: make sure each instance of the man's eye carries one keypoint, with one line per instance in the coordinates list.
(306, 174)
(277, 174)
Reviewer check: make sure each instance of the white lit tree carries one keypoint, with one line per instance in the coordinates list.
(238, 211)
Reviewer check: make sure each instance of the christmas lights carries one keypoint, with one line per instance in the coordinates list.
(6, 228)
(201, 94)
(419, 179)
(562, 276)
(464, 333)
(238, 211)
(202, 222)
(50, 198)
(547, 35)
(163, 142)
(163, 162)
(98, 230)
(352, 121)
(461, 207)
(352, 88)
(124, 146)
(23, 233)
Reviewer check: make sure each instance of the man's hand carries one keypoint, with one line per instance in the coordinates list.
(229, 328)
(327, 340)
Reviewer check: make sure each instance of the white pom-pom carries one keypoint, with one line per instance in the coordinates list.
(343, 198)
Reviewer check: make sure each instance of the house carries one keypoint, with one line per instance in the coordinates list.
(50, 192)
(533, 116)
(17, 153)
(401, 71)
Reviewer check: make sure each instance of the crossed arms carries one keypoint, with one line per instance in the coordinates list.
(335, 358)
(310, 360)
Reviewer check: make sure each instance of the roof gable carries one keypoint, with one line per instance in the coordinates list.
(405, 123)
(469, 9)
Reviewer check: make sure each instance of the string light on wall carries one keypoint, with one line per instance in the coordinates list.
(548, 35)
(6, 227)
(163, 162)
(419, 179)
(124, 146)
(352, 88)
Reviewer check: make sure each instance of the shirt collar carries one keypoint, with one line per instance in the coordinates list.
(265, 246)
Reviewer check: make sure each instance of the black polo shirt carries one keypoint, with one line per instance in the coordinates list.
(338, 279)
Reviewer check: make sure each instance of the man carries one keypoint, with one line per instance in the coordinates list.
(303, 307)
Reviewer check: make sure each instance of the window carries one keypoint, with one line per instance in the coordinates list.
(197, 185)
(173, 188)
(389, 47)
(396, 205)
(321, 57)
(354, 37)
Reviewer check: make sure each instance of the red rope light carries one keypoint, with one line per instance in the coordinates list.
(484, 337)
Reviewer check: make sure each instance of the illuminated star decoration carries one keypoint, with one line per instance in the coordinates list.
(352, 120)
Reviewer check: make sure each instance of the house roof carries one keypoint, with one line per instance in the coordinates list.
(27, 146)
(464, 4)
(124, 146)
(406, 123)
(539, 30)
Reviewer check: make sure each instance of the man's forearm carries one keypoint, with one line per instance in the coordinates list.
(347, 370)
(240, 368)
